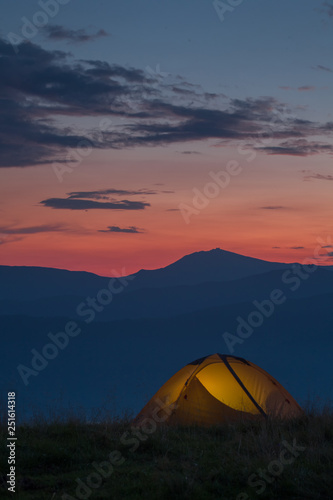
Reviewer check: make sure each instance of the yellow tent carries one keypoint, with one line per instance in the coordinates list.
(215, 389)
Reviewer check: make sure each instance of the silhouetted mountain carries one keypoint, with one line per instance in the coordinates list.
(162, 320)
(27, 283)
(201, 267)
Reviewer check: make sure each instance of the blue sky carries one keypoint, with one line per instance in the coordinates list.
(260, 45)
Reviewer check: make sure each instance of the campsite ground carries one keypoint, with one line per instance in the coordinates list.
(265, 459)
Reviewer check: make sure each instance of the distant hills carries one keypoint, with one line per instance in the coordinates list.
(162, 320)
(199, 267)
(195, 282)
(169, 301)
(27, 283)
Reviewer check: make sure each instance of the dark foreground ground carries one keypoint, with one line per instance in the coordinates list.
(265, 460)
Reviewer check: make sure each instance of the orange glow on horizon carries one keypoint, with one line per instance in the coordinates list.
(281, 225)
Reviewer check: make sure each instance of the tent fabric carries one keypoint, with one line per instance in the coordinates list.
(219, 388)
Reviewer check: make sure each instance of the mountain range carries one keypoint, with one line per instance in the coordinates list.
(22, 282)
(146, 326)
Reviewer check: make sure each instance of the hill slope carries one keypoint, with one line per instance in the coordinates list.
(174, 300)
(70, 459)
(200, 267)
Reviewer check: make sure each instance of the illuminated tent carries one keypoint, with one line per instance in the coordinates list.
(218, 388)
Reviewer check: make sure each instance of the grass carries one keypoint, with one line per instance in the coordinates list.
(172, 462)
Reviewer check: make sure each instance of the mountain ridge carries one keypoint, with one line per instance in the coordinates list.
(217, 265)
(172, 300)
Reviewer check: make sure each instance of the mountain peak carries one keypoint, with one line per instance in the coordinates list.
(204, 266)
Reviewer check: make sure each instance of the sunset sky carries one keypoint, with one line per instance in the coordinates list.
(116, 116)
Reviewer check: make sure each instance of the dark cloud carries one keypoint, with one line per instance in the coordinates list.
(46, 228)
(276, 247)
(321, 177)
(300, 147)
(5, 239)
(306, 88)
(326, 127)
(245, 119)
(77, 204)
(181, 90)
(190, 153)
(102, 69)
(328, 8)
(273, 207)
(330, 254)
(101, 199)
(327, 246)
(185, 123)
(11, 234)
(104, 194)
(117, 229)
(172, 210)
(303, 88)
(37, 86)
(296, 248)
(60, 33)
(324, 68)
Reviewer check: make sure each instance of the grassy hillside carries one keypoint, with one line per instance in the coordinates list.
(281, 460)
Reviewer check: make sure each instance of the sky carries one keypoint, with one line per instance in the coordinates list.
(135, 132)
